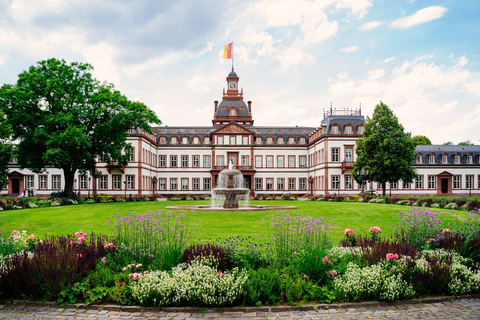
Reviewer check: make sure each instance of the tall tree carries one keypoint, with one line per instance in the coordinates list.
(386, 151)
(421, 140)
(5, 149)
(448, 143)
(64, 118)
(466, 143)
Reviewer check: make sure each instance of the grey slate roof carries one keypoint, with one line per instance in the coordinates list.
(450, 151)
(232, 103)
(343, 120)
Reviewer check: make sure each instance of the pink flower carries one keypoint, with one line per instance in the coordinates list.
(391, 256)
(14, 233)
(375, 229)
(31, 237)
(446, 231)
(109, 245)
(104, 260)
(325, 259)
(348, 232)
(332, 273)
(219, 273)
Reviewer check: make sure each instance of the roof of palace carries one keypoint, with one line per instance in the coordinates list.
(450, 151)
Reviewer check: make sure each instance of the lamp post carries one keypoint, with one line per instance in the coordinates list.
(74, 183)
(154, 182)
(310, 181)
(89, 179)
(125, 187)
(362, 173)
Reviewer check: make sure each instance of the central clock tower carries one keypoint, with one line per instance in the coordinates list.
(232, 107)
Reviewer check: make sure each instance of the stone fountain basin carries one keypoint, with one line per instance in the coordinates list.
(244, 208)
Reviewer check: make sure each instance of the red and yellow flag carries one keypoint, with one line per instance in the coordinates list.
(227, 51)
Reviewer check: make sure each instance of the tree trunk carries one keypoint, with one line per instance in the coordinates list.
(384, 189)
(69, 175)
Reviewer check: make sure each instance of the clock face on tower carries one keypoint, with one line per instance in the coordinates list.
(232, 85)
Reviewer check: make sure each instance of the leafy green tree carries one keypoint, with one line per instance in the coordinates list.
(448, 143)
(466, 143)
(421, 140)
(63, 117)
(386, 151)
(5, 149)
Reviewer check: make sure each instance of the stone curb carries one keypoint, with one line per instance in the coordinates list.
(139, 309)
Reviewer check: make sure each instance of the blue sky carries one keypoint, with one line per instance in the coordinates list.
(294, 58)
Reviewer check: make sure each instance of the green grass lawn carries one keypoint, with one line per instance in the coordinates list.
(65, 220)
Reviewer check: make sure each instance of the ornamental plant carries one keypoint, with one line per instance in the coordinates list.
(375, 233)
(350, 237)
(418, 226)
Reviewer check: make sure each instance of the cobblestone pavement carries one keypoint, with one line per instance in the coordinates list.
(447, 309)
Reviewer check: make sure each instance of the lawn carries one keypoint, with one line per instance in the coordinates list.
(89, 218)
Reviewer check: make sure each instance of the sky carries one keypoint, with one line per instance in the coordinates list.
(295, 58)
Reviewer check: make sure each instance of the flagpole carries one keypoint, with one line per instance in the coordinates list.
(232, 55)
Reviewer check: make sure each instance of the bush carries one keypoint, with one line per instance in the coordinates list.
(208, 251)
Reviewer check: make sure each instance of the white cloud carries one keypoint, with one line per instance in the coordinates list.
(376, 74)
(419, 17)
(358, 7)
(388, 59)
(343, 75)
(461, 62)
(349, 49)
(370, 25)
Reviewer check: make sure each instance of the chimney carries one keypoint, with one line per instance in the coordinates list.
(249, 106)
(216, 105)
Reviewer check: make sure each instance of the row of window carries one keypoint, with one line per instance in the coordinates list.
(444, 159)
(335, 129)
(282, 184)
(232, 140)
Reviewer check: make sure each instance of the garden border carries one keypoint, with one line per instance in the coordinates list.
(281, 308)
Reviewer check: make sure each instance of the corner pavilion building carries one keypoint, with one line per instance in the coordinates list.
(273, 160)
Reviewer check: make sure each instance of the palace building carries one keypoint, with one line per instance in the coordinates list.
(299, 160)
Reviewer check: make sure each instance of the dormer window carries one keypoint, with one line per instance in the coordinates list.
(184, 140)
(163, 140)
(348, 129)
(233, 112)
(469, 159)
(269, 140)
(291, 140)
(334, 129)
(360, 129)
(456, 159)
(195, 140)
(431, 159)
(206, 140)
(444, 159)
(280, 140)
(302, 140)
(258, 140)
(418, 158)
(173, 140)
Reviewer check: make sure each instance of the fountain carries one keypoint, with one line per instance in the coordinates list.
(229, 193)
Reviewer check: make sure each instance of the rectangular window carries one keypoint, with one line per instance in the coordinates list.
(196, 184)
(280, 184)
(184, 161)
(456, 182)
(418, 158)
(406, 185)
(431, 182)
(173, 161)
(335, 182)
(162, 161)
(220, 161)
(83, 182)
(269, 161)
(469, 182)
(291, 183)
(103, 182)
(220, 140)
(258, 161)
(206, 184)
(457, 159)
(335, 154)
(43, 182)
(444, 159)
(131, 155)
(196, 161)
(348, 155)
(291, 140)
(348, 130)
(303, 183)
(280, 140)
(173, 184)
(184, 183)
(291, 161)
(334, 129)
(130, 182)
(29, 182)
(162, 183)
(233, 140)
(245, 140)
(431, 159)
(206, 161)
(348, 182)
(117, 182)
(269, 184)
(469, 159)
(245, 161)
(419, 182)
(393, 185)
(258, 184)
(303, 161)
(280, 161)
(56, 182)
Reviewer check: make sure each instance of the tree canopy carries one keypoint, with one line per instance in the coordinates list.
(63, 117)
(466, 143)
(421, 140)
(5, 149)
(386, 151)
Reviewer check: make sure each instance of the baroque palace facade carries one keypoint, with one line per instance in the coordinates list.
(273, 160)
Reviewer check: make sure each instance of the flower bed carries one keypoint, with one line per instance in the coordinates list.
(150, 261)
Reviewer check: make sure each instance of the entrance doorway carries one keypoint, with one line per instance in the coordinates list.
(444, 185)
(15, 186)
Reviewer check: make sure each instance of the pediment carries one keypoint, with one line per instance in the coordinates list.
(445, 173)
(15, 174)
(232, 127)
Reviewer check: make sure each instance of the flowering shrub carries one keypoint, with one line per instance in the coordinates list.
(350, 237)
(391, 256)
(192, 284)
(418, 226)
(375, 233)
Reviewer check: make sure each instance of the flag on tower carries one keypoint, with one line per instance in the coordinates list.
(227, 51)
